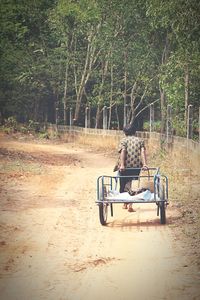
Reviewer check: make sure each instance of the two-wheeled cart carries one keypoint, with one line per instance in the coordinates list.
(108, 193)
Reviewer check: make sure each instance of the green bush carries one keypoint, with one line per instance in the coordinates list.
(7, 130)
(10, 125)
(43, 135)
(33, 126)
(156, 126)
(23, 129)
(179, 127)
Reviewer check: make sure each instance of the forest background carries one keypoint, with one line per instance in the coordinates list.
(59, 56)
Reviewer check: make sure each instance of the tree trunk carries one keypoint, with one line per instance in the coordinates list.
(162, 92)
(90, 59)
(133, 98)
(100, 102)
(111, 94)
(65, 93)
(125, 88)
(98, 116)
(69, 46)
(163, 109)
(117, 117)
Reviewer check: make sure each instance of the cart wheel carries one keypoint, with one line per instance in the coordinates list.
(103, 213)
(103, 208)
(162, 207)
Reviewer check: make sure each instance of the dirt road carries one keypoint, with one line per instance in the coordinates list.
(52, 245)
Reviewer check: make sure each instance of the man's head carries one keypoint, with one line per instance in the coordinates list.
(129, 129)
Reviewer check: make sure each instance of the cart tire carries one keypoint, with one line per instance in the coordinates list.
(103, 208)
(103, 213)
(162, 207)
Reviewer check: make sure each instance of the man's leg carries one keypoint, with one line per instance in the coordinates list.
(135, 173)
(123, 182)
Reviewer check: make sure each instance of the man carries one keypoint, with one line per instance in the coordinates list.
(132, 155)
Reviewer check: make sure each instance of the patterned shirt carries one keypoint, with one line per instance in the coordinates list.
(133, 146)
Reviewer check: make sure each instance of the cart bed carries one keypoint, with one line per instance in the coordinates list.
(108, 194)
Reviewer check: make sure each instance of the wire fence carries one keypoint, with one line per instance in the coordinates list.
(189, 129)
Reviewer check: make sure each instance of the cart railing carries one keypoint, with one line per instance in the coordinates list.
(107, 183)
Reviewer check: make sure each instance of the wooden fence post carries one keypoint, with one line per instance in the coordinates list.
(151, 121)
(169, 124)
(199, 124)
(70, 117)
(189, 122)
(87, 117)
(56, 118)
(105, 118)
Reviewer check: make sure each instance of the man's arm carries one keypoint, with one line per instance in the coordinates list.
(144, 157)
(122, 160)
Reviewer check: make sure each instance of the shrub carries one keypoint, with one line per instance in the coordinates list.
(179, 127)
(23, 129)
(10, 124)
(156, 126)
(33, 126)
(43, 135)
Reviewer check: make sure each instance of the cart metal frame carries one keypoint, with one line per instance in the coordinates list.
(106, 183)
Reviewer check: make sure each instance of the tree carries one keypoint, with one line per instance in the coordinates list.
(61, 55)
(180, 21)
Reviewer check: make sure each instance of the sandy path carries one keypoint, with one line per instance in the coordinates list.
(53, 246)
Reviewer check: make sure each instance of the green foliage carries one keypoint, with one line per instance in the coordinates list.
(33, 126)
(23, 129)
(56, 53)
(179, 126)
(11, 123)
(43, 135)
(53, 135)
(156, 126)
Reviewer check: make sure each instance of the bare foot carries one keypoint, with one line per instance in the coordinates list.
(124, 206)
(130, 209)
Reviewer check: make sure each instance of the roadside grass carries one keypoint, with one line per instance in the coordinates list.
(107, 144)
(184, 196)
(18, 163)
(20, 166)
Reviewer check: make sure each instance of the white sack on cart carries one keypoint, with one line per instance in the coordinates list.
(144, 196)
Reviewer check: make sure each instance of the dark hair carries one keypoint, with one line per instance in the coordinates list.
(129, 129)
